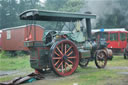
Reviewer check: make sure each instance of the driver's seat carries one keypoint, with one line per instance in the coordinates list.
(78, 35)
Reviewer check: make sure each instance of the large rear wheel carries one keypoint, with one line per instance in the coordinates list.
(64, 57)
(101, 59)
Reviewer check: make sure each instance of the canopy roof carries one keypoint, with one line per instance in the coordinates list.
(41, 15)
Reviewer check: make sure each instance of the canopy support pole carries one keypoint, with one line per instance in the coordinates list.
(88, 25)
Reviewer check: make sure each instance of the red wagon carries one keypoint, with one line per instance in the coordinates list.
(13, 38)
(0, 39)
(117, 38)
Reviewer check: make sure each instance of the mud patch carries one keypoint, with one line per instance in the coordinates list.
(4, 73)
(125, 73)
(13, 73)
(119, 67)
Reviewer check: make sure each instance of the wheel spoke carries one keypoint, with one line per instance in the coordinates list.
(70, 53)
(72, 57)
(70, 61)
(56, 58)
(68, 65)
(59, 50)
(68, 49)
(62, 68)
(62, 47)
(57, 53)
(60, 65)
(65, 67)
(103, 62)
(57, 62)
(65, 47)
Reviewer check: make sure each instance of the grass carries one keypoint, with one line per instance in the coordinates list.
(19, 64)
(118, 61)
(93, 76)
(15, 63)
(88, 76)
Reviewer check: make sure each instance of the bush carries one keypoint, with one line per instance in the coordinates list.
(3, 54)
(21, 53)
(9, 54)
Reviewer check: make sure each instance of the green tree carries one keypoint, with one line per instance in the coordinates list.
(73, 5)
(8, 13)
(10, 10)
(24, 5)
(64, 5)
(54, 4)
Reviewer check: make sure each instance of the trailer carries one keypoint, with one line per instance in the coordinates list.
(13, 38)
(0, 39)
(116, 37)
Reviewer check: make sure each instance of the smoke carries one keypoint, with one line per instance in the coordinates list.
(101, 7)
(105, 7)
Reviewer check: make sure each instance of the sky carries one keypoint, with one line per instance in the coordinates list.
(42, 1)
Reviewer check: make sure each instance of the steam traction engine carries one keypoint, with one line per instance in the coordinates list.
(63, 51)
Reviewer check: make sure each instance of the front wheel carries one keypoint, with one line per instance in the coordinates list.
(64, 57)
(100, 59)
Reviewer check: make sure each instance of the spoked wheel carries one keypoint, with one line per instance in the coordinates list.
(101, 59)
(83, 62)
(64, 57)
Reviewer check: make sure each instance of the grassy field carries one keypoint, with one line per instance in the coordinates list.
(15, 67)
(111, 75)
(14, 63)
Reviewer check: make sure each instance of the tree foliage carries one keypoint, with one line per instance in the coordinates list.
(64, 5)
(61, 5)
(72, 6)
(8, 13)
(10, 10)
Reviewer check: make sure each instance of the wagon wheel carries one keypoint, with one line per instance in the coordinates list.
(100, 59)
(64, 57)
(83, 62)
(125, 56)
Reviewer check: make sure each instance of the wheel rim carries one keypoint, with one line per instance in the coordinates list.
(101, 59)
(65, 58)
